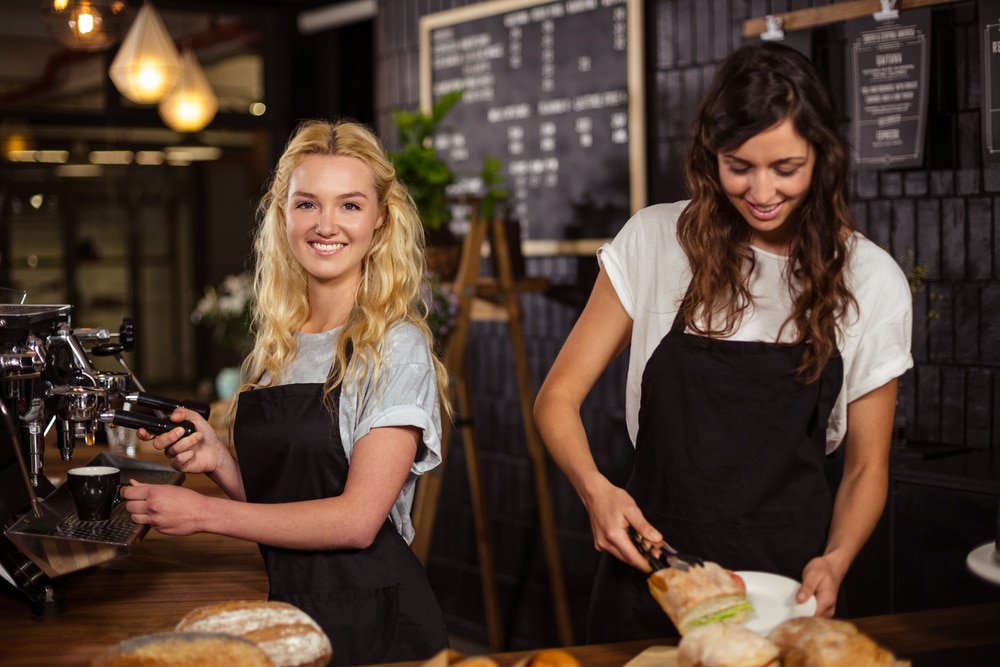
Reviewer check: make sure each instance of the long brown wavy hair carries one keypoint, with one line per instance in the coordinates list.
(754, 89)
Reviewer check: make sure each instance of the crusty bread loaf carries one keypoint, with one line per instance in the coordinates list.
(475, 661)
(725, 645)
(190, 649)
(790, 632)
(553, 657)
(699, 595)
(812, 641)
(284, 632)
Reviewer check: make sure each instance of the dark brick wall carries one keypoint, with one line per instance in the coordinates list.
(942, 217)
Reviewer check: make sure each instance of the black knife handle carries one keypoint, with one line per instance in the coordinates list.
(151, 423)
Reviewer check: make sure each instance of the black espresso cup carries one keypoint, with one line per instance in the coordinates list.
(95, 491)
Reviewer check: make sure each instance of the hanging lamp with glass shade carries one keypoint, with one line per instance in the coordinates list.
(191, 104)
(147, 64)
(86, 25)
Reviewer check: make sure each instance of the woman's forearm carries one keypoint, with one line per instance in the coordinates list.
(857, 509)
(229, 479)
(863, 490)
(561, 429)
(599, 336)
(328, 523)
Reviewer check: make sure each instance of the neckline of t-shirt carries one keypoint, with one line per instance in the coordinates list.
(768, 253)
(318, 334)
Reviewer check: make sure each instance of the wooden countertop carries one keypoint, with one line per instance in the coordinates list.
(967, 636)
(148, 591)
(166, 577)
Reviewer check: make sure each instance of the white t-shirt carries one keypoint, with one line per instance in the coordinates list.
(650, 274)
(407, 396)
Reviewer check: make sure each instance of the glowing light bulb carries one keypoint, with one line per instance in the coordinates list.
(149, 78)
(147, 64)
(87, 19)
(189, 111)
(85, 25)
(192, 104)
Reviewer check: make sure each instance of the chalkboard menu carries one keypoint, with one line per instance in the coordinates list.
(552, 89)
(889, 67)
(989, 26)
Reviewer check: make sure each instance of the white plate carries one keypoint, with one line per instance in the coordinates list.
(773, 600)
(983, 562)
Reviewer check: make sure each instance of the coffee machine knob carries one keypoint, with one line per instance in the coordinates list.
(126, 334)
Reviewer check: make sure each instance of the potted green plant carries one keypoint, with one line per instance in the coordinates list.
(419, 166)
(428, 177)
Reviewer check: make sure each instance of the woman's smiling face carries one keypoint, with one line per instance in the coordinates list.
(331, 213)
(766, 178)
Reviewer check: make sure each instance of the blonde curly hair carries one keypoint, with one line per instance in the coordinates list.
(392, 271)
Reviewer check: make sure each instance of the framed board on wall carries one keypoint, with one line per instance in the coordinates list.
(989, 28)
(555, 91)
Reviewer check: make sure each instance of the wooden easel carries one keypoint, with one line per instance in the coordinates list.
(468, 285)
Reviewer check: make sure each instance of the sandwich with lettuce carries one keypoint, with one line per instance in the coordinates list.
(700, 595)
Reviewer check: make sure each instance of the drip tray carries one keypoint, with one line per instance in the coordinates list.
(70, 544)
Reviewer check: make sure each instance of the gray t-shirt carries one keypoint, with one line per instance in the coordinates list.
(407, 396)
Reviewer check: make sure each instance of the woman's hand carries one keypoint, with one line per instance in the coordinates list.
(821, 577)
(172, 510)
(200, 452)
(612, 510)
(860, 497)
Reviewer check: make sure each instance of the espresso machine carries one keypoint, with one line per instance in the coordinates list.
(50, 389)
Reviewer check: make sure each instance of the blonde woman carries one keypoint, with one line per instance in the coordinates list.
(340, 410)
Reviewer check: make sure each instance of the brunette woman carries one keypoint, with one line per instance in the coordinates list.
(764, 332)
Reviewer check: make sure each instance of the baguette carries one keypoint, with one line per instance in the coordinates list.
(725, 645)
(700, 596)
(812, 641)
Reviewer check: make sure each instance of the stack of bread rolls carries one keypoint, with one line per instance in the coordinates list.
(811, 641)
(289, 636)
(245, 633)
(808, 641)
(725, 645)
(191, 649)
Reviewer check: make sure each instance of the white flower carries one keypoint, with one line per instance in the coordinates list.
(226, 308)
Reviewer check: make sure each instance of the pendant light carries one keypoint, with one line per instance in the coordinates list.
(191, 104)
(85, 25)
(147, 64)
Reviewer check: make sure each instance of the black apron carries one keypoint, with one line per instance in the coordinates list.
(729, 465)
(375, 604)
